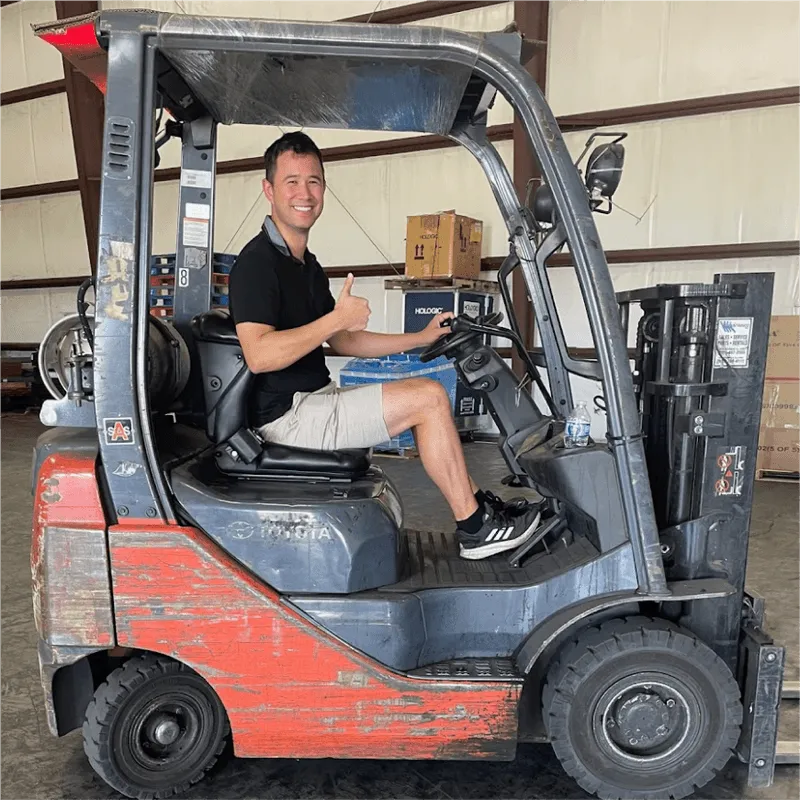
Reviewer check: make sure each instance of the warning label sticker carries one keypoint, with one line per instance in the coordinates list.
(732, 347)
(195, 232)
(729, 480)
(197, 178)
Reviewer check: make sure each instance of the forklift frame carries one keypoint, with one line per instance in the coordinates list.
(134, 71)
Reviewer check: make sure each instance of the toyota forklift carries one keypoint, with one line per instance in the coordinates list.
(194, 585)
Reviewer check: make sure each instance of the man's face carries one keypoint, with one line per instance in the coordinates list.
(297, 191)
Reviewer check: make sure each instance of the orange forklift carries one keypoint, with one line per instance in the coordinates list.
(193, 584)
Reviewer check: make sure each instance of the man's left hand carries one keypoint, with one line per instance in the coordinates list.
(434, 330)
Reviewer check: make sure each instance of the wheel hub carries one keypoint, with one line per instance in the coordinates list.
(166, 730)
(643, 719)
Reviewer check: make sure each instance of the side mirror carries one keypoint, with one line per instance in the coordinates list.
(543, 207)
(604, 169)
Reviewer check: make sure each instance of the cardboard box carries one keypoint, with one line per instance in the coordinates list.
(783, 355)
(779, 435)
(443, 245)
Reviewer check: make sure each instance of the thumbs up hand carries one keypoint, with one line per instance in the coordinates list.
(353, 311)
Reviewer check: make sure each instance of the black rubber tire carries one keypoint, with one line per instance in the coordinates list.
(121, 701)
(617, 650)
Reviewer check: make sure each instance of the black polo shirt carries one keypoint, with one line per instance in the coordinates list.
(270, 286)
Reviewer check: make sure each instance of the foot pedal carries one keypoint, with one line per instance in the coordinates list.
(470, 669)
(553, 524)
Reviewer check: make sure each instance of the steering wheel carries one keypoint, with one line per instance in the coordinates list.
(459, 337)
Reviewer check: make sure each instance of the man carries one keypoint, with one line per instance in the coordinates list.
(281, 303)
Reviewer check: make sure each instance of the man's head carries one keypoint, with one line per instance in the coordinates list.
(295, 180)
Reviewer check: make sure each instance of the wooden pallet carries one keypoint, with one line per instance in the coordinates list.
(777, 476)
(406, 453)
(443, 282)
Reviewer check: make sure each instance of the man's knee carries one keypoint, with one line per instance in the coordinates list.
(429, 395)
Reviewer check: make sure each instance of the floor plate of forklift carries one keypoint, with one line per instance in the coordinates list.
(435, 563)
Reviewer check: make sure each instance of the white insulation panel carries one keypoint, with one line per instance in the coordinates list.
(27, 60)
(712, 179)
(36, 144)
(27, 315)
(624, 53)
(367, 202)
(44, 237)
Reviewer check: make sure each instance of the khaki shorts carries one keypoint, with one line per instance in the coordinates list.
(332, 418)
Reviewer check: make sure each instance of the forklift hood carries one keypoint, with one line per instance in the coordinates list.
(365, 88)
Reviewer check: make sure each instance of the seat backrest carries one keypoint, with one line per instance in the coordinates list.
(226, 377)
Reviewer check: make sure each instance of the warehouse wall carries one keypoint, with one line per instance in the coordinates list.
(379, 192)
(712, 179)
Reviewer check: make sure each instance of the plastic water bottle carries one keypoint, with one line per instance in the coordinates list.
(579, 422)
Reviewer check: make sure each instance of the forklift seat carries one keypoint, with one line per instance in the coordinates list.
(227, 381)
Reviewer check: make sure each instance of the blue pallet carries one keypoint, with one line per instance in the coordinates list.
(219, 299)
(161, 302)
(221, 262)
(362, 371)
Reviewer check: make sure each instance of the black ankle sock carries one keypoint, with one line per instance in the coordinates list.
(473, 523)
(480, 496)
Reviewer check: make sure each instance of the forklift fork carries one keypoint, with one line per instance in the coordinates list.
(761, 666)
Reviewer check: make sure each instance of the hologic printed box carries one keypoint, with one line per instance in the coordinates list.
(443, 245)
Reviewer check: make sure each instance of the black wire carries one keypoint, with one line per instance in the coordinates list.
(82, 306)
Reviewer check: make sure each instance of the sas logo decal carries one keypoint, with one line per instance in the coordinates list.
(118, 430)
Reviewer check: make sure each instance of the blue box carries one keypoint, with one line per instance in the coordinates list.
(361, 371)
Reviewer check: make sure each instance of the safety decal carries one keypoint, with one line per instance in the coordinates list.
(732, 348)
(118, 430)
(729, 480)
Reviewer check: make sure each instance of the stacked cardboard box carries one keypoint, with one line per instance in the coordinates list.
(445, 245)
(779, 436)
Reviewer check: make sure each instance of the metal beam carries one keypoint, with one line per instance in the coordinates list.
(87, 114)
(645, 255)
(32, 92)
(532, 21)
(14, 284)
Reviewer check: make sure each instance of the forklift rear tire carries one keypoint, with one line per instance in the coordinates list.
(640, 708)
(154, 728)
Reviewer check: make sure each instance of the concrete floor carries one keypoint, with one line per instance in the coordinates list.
(35, 765)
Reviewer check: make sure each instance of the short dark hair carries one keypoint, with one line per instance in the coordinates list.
(296, 142)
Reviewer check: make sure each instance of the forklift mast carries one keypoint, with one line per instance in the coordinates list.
(699, 370)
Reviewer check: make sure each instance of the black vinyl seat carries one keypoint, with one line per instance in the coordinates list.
(227, 381)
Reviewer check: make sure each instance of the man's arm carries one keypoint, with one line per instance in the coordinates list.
(366, 344)
(268, 350)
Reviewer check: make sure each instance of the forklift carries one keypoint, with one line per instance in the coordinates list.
(195, 586)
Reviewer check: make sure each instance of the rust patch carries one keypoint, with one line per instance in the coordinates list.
(118, 267)
(291, 690)
(69, 561)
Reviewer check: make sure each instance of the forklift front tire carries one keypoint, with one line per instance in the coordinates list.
(154, 728)
(640, 708)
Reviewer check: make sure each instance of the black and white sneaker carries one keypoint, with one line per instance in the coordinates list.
(501, 531)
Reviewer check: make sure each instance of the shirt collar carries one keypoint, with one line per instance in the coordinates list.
(271, 229)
